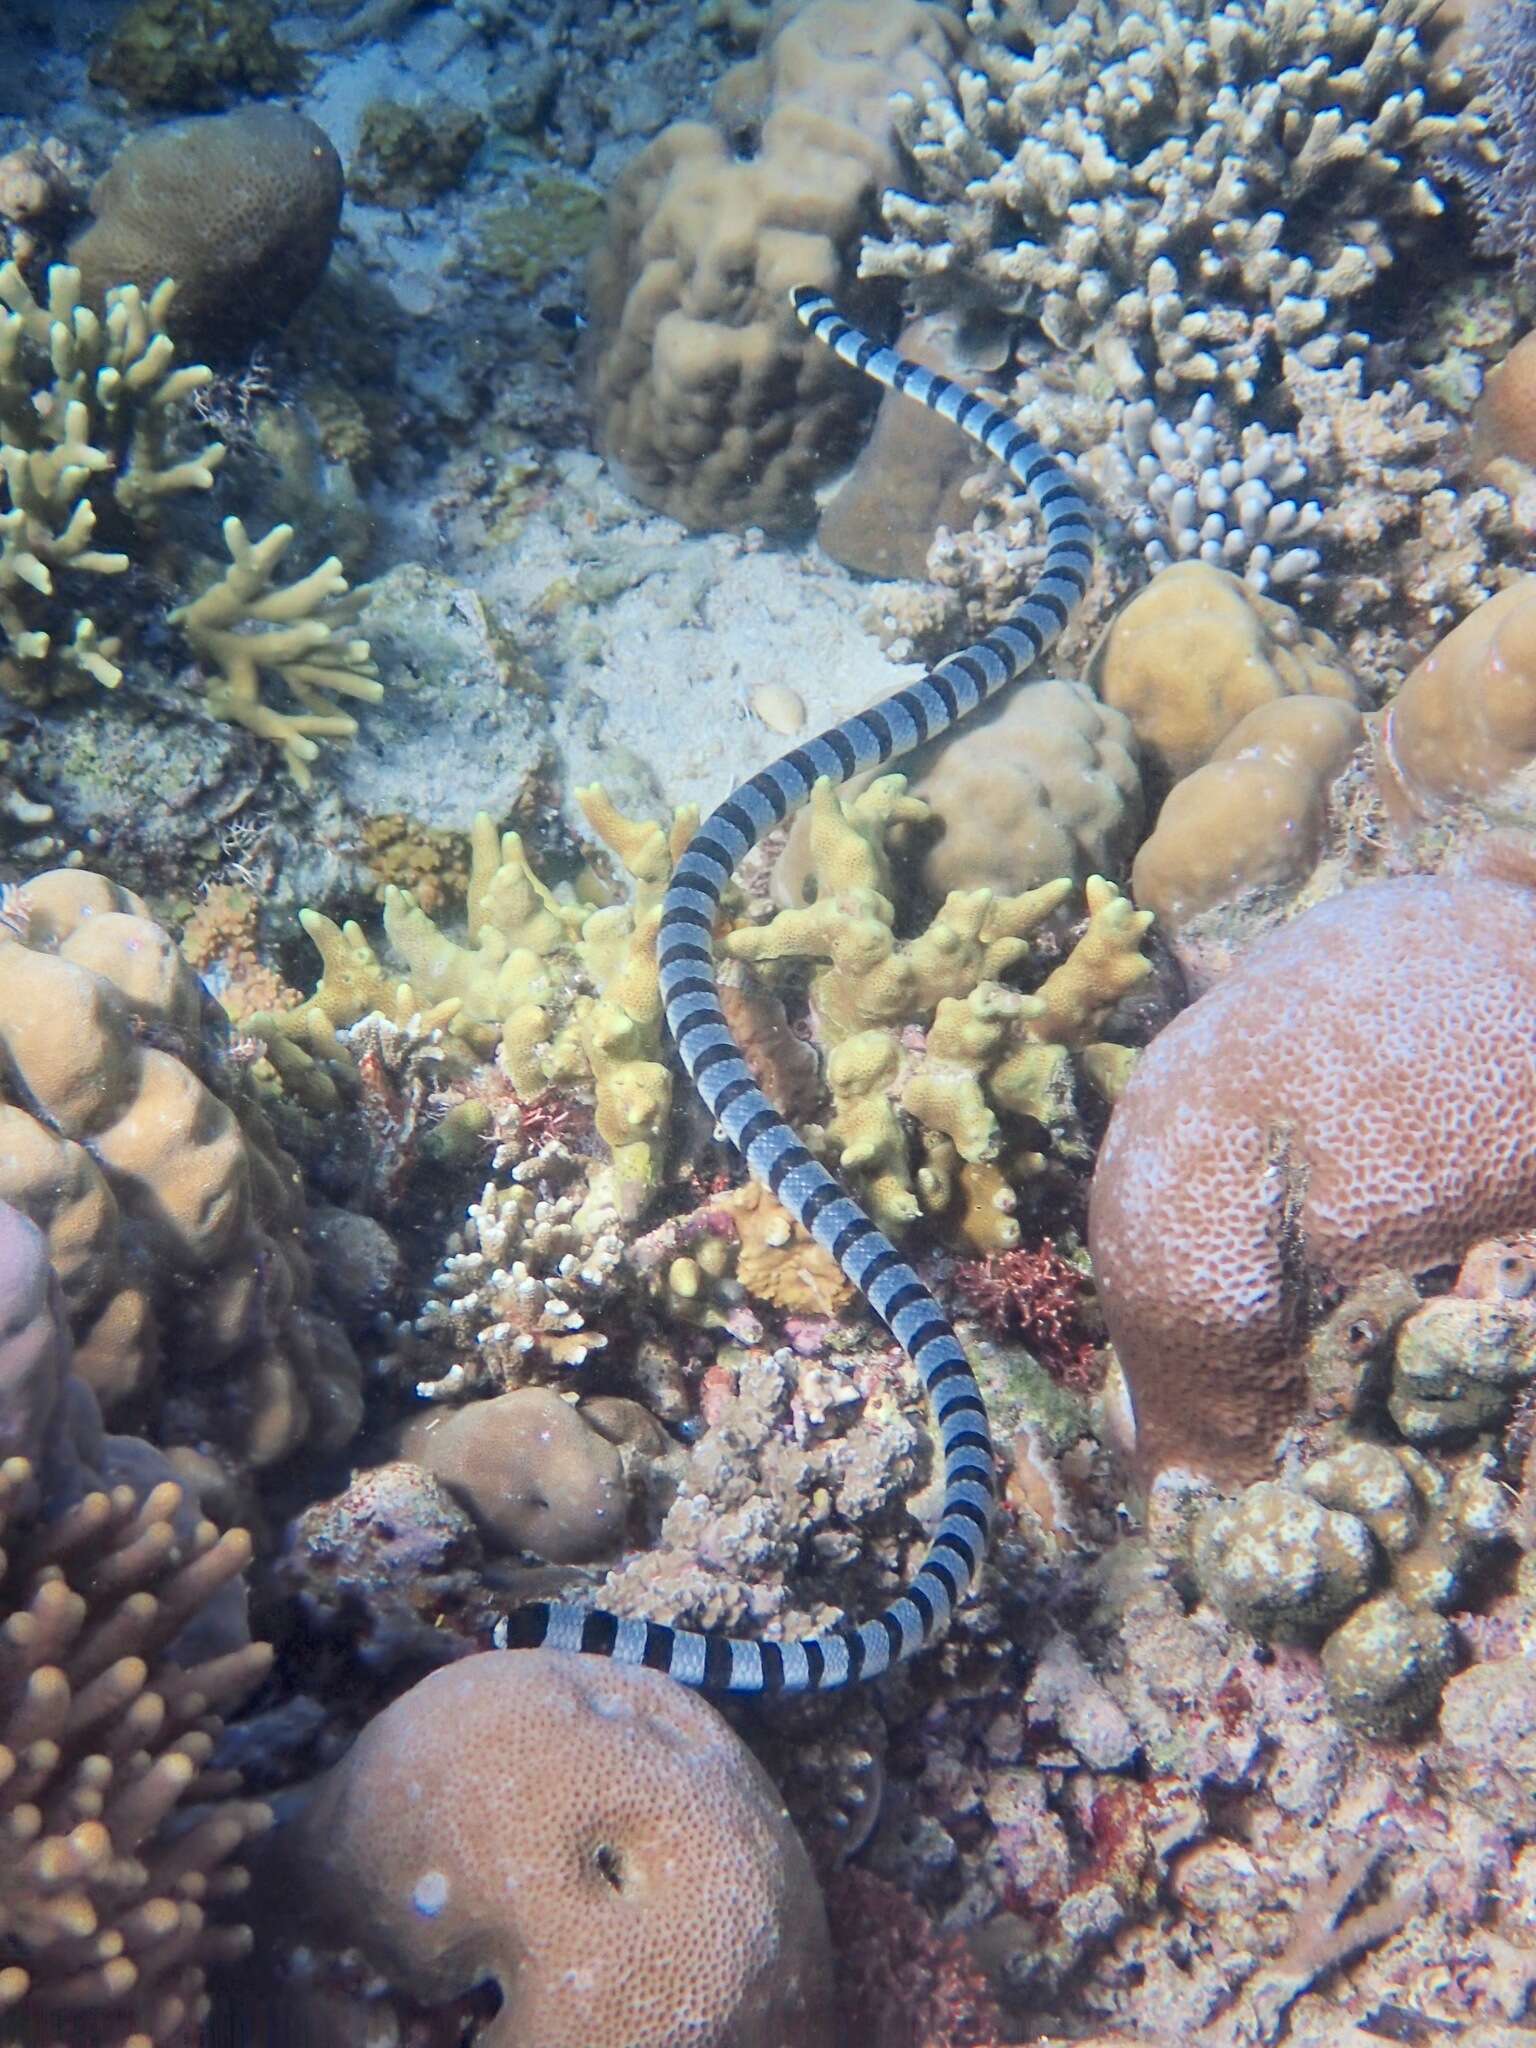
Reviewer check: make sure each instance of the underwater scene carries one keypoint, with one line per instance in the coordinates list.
(767, 1023)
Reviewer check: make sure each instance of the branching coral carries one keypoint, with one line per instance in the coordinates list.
(118, 1838)
(566, 994)
(995, 1067)
(89, 409)
(242, 626)
(1146, 186)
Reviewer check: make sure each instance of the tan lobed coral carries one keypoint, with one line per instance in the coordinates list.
(1041, 783)
(1463, 726)
(1352, 1095)
(594, 1839)
(1253, 815)
(715, 404)
(1196, 651)
(118, 1838)
(240, 208)
(538, 1473)
(171, 1214)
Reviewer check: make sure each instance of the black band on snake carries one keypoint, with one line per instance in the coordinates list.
(773, 1152)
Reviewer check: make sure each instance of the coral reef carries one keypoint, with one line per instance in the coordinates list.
(989, 1054)
(407, 156)
(243, 626)
(89, 412)
(1039, 784)
(594, 1839)
(172, 1216)
(195, 53)
(1349, 1096)
(716, 406)
(240, 208)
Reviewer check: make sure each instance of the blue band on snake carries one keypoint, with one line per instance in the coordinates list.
(771, 1149)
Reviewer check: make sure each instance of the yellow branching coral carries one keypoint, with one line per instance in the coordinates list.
(106, 1875)
(89, 406)
(242, 627)
(563, 993)
(994, 1071)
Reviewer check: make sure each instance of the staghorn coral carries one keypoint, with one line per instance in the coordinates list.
(594, 1839)
(240, 208)
(1350, 1096)
(172, 1216)
(89, 410)
(119, 1839)
(995, 1065)
(716, 406)
(533, 1259)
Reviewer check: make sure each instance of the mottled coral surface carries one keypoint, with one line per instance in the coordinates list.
(1356, 1093)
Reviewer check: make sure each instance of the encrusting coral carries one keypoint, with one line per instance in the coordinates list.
(172, 1216)
(1352, 1095)
(594, 1839)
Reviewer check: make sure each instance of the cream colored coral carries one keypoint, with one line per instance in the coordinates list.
(712, 400)
(1252, 817)
(174, 1222)
(117, 1846)
(83, 399)
(243, 627)
(1463, 726)
(565, 994)
(1039, 784)
(778, 1260)
(592, 1838)
(1195, 652)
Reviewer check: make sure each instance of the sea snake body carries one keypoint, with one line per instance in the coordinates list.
(771, 1149)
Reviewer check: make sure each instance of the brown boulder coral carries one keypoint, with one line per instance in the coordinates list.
(1355, 1094)
(591, 1837)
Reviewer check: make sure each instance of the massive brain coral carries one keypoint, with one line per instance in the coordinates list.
(720, 410)
(1356, 1094)
(171, 1215)
(589, 1836)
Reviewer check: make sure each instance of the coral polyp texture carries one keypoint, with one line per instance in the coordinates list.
(171, 1214)
(119, 1837)
(1352, 1095)
(594, 1840)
